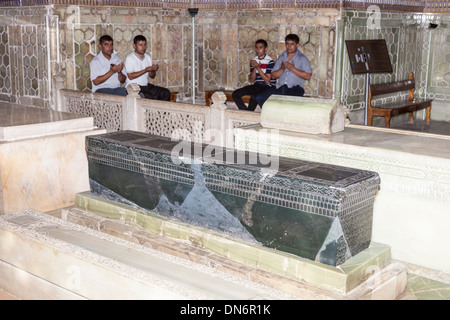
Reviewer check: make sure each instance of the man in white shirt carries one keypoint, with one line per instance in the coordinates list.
(139, 67)
(107, 69)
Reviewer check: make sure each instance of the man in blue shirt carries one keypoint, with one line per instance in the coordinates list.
(291, 69)
(260, 69)
(107, 69)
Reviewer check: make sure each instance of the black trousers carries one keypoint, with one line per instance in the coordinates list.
(283, 90)
(251, 90)
(119, 91)
(156, 93)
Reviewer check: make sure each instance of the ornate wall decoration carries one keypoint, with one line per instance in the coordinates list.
(164, 122)
(106, 115)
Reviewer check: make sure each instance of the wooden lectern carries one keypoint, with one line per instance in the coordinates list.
(368, 56)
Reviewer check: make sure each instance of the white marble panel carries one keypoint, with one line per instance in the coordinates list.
(43, 162)
(43, 173)
(20, 122)
(299, 114)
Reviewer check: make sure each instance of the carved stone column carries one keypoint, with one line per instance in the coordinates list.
(130, 112)
(217, 134)
(56, 101)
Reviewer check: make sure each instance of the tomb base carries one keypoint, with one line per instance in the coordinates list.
(412, 208)
(86, 256)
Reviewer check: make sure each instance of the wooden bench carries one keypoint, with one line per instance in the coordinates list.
(387, 110)
(228, 94)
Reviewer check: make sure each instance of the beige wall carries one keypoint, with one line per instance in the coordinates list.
(62, 40)
(40, 42)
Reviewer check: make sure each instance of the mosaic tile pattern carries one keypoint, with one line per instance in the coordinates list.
(24, 73)
(175, 56)
(440, 69)
(85, 49)
(5, 73)
(212, 56)
(30, 52)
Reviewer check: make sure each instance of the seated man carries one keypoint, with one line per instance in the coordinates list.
(106, 69)
(260, 69)
(291, 69)
(139, 67)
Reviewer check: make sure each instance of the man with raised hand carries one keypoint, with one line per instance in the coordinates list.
(260, 70)
(291, 70)
(106, 68)
(139, 66)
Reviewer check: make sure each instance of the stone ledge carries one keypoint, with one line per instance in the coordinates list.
(20, 122)
(339, 280)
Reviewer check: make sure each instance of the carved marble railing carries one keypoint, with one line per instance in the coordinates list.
(106, 109)
(214, 124)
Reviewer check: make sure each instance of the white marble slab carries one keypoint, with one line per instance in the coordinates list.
(300, 114)
(19, 122)
(43, 162)
(44, 257)
(43, 173)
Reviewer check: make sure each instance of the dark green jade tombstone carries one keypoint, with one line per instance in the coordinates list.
(317, 211)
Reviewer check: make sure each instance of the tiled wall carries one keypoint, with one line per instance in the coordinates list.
(24, 51)
(224, 45)
(38, 43)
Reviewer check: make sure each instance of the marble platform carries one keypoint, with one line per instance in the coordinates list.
(412, 207)
(316, 211)
(85, 256)
(250, 257)
(42, 158)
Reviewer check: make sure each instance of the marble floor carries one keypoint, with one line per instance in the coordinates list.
(422, 288)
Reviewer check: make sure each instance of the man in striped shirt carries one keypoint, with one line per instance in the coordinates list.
(260, 70)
